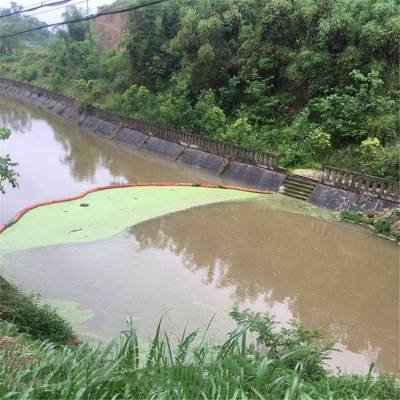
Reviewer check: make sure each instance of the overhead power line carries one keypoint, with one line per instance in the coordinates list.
(40, 3)
(57, 8)
(36, 4)
(89, 17)
(36, 7)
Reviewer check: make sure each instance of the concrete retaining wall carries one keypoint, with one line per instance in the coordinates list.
(202, 160)
(162, 147)
(89, 121)
(50, 103)
(130, 138)
(254, 176)
(106, 128)
(34, 98)
(72, 114)
(341, 200)
(42, 101)
(59, 107)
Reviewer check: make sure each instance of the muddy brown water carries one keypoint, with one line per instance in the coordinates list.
(195, 263)
(58, 159)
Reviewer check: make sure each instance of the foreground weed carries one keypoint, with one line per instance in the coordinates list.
(256, 361)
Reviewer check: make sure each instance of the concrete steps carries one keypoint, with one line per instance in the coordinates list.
(298, 187)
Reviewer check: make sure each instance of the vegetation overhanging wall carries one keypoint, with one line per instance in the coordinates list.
(250, 166)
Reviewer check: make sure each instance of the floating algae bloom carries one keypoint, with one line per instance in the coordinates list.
(101, 213)
(41, 230)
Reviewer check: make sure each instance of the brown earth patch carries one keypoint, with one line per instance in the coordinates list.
(108, 29)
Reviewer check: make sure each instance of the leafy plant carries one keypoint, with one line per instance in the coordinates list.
(311, 81)
(385, 222)
(7, 174)
(355, 216)
(41, 322)
(285, 364)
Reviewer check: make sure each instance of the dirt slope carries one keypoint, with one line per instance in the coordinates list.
(107, 29)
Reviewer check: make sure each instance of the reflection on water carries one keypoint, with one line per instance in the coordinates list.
(14, 117)
(57, 159)
(330, 275)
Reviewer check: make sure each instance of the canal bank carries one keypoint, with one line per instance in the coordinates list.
(267, 254)
(337, 190)
(263, 178)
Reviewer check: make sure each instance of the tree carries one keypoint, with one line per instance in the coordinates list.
(8, 46)
(148, 32)
(16, 23)
(77, 31)
(306, 79)
(357, 111)
(7, 174)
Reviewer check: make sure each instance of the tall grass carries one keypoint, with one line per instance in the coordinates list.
(256, 361)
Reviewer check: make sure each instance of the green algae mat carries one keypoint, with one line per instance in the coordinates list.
(103, 213)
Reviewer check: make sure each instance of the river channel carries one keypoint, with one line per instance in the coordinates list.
(199, 262)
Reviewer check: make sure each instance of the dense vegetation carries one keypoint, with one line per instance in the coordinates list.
(277, 365)
(385, 222)
(28, 316)
(315, 81)
(7, 173)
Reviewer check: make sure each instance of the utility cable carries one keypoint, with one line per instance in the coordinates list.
(54, 3)
(89, 17)
(55, 9)
(34, 4)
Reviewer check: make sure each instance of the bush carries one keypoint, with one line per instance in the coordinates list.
(382, 226)
(370, 159)
(382, 161)
(30, 73)
(41, 322)
(355, 216)
(240, 132)
(210, 119)
(385, 222)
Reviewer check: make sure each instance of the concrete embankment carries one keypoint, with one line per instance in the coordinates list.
(340, 200)
(244, 174)
(253, 176)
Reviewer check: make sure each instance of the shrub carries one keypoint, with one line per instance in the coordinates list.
(383, 161)
(211, 120)
(7, 173)
(378, 161)
(382, 226)
(385, 222)
(30, 73)
(355, 216)
(41, 322)
(240, 132)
